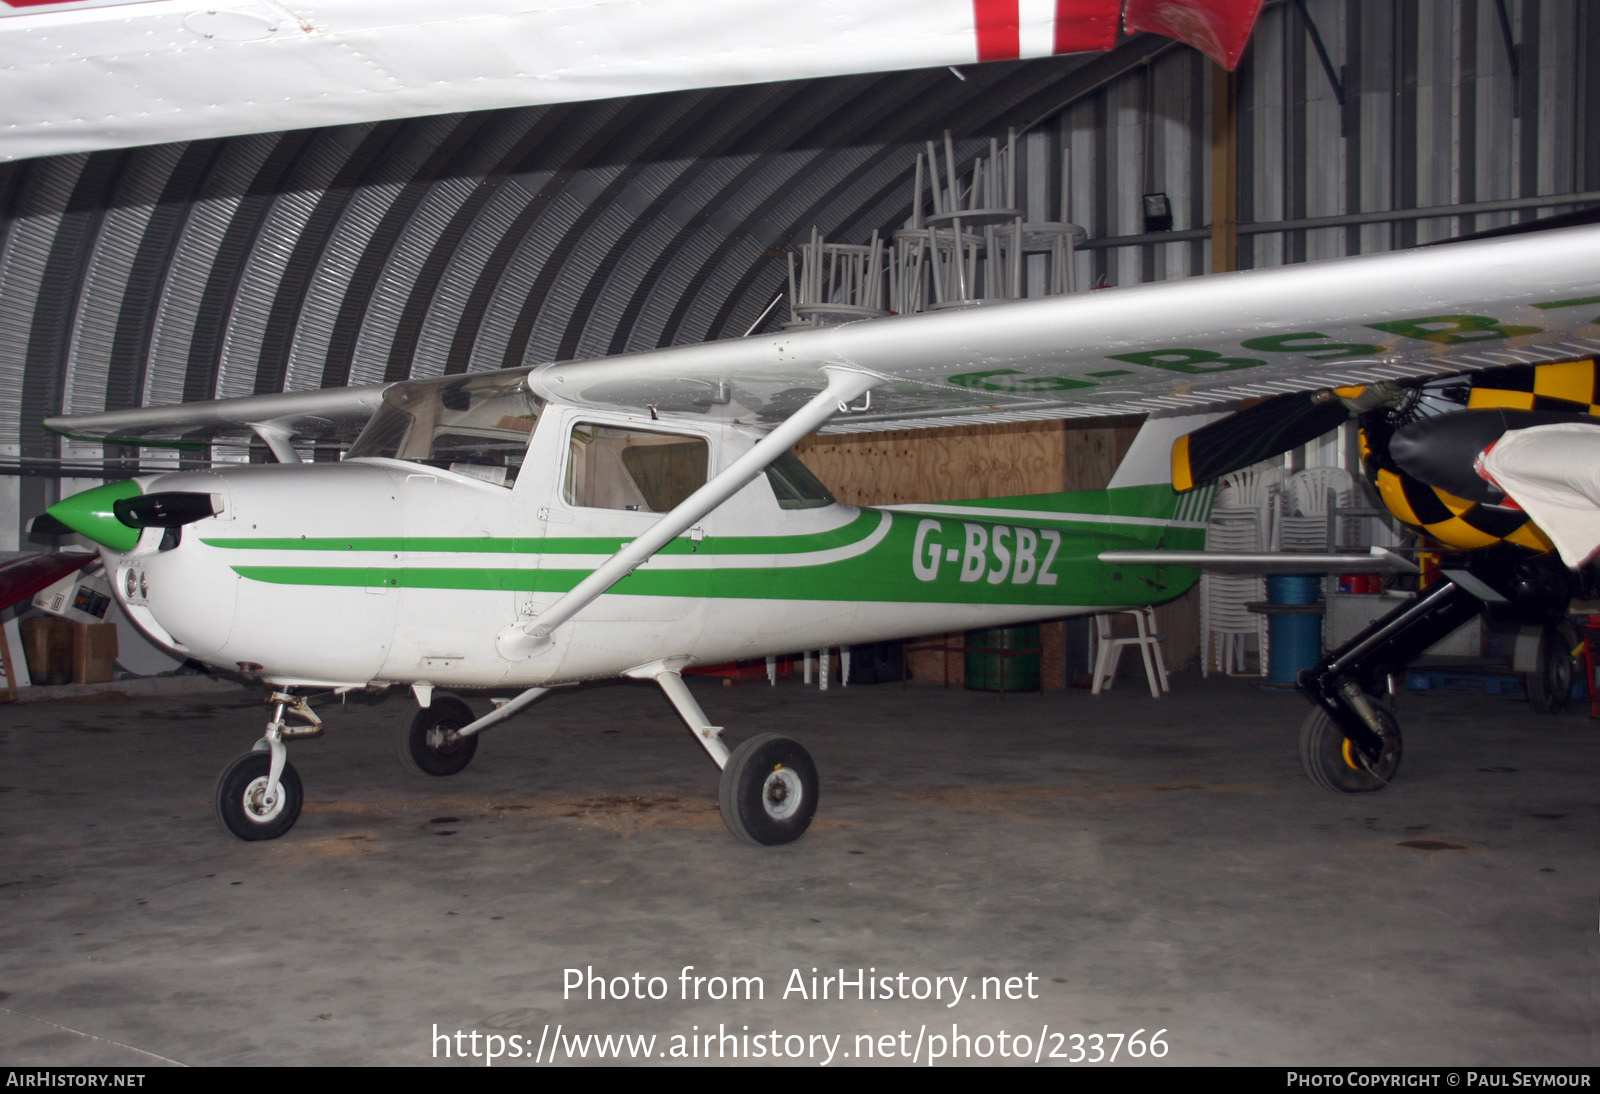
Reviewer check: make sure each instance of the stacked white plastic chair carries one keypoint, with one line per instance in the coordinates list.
(1311, 504)
(1254, 489)
(1241, 521)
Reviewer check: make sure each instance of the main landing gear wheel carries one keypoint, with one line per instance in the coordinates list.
(428, 741)
(1333, 763)
(1549, 685)
(243, 806)
(768, 793)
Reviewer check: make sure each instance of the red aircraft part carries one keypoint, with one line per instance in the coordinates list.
(20, 578)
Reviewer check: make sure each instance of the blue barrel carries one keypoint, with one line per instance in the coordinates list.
(1294, 638)
(1293, 589)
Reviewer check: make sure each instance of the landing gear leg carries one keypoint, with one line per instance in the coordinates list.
(258, 795)
(1351, 742)
(1347, 684)
(768, 790)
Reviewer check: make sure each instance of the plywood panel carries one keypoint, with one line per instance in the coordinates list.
(915, 465)
(929, 465)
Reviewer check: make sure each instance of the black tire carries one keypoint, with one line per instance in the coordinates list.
(768, 792)
(1549, 685)
(238, 800)
(427, 741)
(1331, 761)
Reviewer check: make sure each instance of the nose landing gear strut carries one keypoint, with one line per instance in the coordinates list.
(258, 794)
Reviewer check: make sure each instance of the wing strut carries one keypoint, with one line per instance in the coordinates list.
(522, 640)
(500, 713)
(278, 440)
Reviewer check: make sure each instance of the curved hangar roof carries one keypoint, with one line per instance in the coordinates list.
(389, 250)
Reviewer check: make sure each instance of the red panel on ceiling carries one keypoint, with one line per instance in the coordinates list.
(1218, 28)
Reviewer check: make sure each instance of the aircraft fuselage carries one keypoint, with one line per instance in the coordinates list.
(381, 570)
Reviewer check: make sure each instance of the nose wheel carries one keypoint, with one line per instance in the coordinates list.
(250, 805)
(258, 795)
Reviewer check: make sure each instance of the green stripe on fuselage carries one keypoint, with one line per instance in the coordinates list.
(854, 532)
(923, 558)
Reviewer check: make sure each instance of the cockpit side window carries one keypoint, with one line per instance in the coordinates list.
(612, 467)
(795, 486)
(478, 426)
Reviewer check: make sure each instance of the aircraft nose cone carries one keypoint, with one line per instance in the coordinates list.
(90, 514)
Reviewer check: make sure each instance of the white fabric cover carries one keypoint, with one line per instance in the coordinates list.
(1553, 472)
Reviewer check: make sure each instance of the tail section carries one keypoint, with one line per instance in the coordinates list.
(1149, 461)
(1142, 486)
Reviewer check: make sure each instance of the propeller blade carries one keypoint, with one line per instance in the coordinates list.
(1256, 433)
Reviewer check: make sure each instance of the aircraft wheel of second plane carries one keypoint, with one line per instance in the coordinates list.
(1332, 762)
(768, 792)
(243, 805)
(428, 742)
(1549, 685)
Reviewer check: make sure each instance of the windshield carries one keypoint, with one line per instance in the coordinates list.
(472, 425)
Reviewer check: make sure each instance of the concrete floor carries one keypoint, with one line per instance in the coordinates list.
(1153, 865)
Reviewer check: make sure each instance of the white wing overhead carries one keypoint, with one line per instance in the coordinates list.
(1165, 346)
(1162, 346)
(83, 75)
(333, 414)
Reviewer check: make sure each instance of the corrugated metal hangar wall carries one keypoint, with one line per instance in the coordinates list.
(356, 254)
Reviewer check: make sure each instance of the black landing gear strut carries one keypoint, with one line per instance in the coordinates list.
(1350, 742)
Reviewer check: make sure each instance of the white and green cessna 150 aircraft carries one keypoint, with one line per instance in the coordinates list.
(637, 515)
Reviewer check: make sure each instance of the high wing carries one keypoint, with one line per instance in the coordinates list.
(1163, 347)
(84, 75)
(332, 414)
